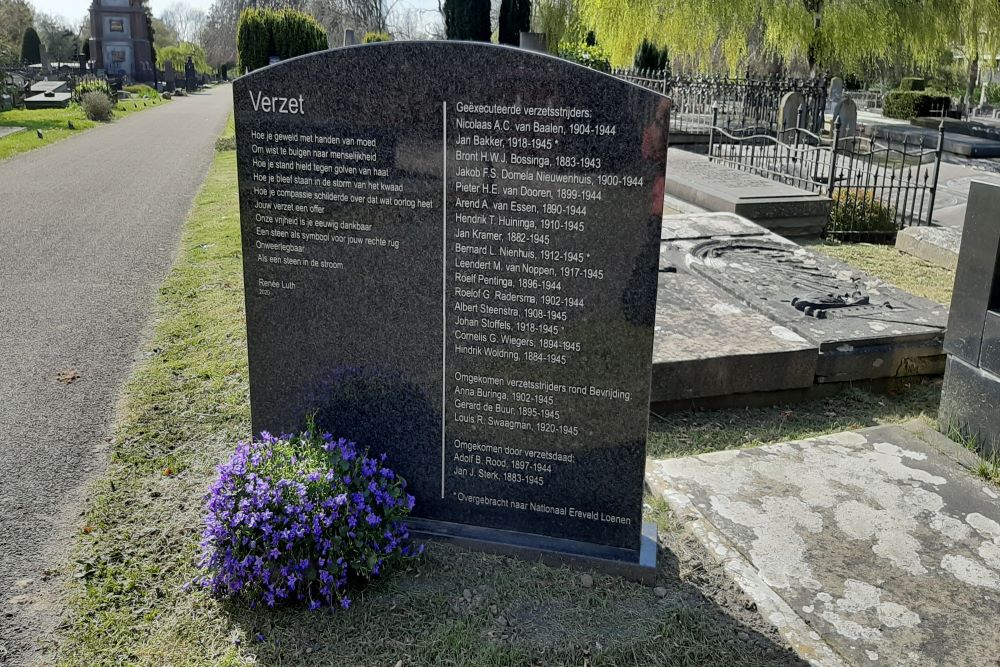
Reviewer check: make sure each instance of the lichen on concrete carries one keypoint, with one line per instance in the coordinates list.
(874, 538)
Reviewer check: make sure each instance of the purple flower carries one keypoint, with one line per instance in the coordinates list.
(283, 521)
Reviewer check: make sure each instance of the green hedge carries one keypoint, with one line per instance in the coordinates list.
(94, 86)
(143, 91)
(375, 37)
(906, 104)
(593, 57)
(859, 211)
(286, 33)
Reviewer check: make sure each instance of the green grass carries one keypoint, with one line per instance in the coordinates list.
(910, 273)
(227, 140)
(987, 460)
(183, 410)
(54, 124)
(690, 433)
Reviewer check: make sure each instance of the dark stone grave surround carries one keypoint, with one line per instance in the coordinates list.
(970, 397)
(749, 312)
(450, 252)
(782, 209)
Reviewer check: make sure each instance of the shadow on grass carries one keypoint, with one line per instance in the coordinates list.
(44, 119)
(466, 609)
(693, 432)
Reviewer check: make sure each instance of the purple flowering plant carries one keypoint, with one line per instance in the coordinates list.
(294, 518)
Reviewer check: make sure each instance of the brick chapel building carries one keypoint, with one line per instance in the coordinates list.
(119, 42)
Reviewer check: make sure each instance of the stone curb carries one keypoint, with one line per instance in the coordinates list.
(805, 641)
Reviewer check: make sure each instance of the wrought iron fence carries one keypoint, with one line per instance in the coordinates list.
(878, 185)
(740, 101)
(866, 99)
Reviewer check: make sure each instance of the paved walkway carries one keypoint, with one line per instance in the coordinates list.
(872, 547)
(88, 229)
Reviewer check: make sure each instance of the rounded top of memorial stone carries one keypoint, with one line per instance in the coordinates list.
(422, 53)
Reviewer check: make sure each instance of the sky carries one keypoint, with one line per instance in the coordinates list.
(74, 10)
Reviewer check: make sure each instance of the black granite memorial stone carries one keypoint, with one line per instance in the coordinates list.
(970, 397)
(450, 255)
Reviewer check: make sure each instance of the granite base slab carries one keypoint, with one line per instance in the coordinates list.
(937, 245)
(956, 144)
(48, 101)
(971, 128)
(638, 565)
(970, 402)
(781, 208)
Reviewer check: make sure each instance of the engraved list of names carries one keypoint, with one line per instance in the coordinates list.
(460, 271)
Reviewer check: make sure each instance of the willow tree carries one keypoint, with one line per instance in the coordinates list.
(853, 35)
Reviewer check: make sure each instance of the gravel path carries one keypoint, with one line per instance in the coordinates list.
(88, 229)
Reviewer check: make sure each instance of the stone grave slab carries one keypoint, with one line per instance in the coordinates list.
(957, 144)
(784, 209)
(863, 327)
(450, 255)
(709, 344)
(937, 245)
(50, 87)
(7, 131)
(982, 128)
(847, 111)
(48, 100)
(788, 110)
(864, 548)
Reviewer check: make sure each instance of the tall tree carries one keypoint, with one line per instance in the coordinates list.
(559, 20)
(184, 20)
(16, 16)
(31, 47)
(218, 36)
(178, 55)
(515, 17)
(362, 16)
(57, 36)
(409, 23)
(467, 20)
(852, 35)
(163, 34)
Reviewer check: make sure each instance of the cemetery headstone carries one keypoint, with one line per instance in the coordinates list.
(835, 93)
(788, 111)
(190, 80)
(349, 38)
(847, 111)
(169, 76)
(971, 391)
(450, 256)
